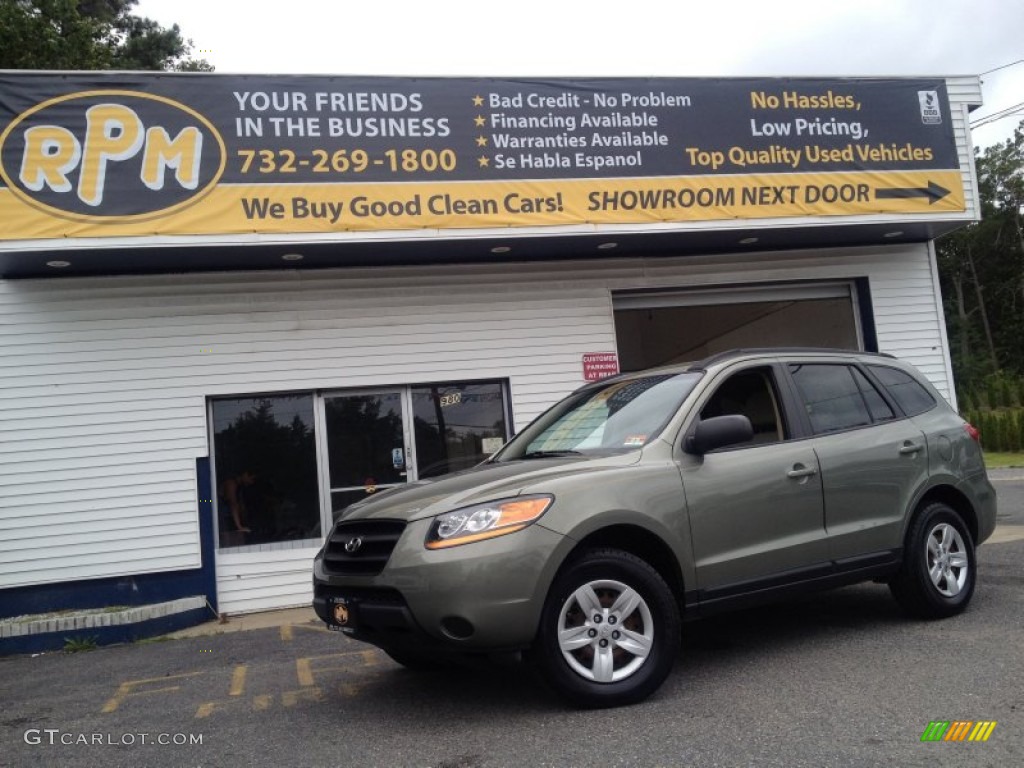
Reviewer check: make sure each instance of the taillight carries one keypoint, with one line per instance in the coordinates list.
(973, 431)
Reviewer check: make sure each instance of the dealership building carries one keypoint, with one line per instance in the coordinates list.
(232, 305)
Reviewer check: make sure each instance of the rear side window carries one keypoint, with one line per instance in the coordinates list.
(907, 391)
(880, 409)
(831, 396)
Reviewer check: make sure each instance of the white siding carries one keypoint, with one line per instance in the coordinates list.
(247, 583)
(103, 381)
(964, 95)
(103, 385)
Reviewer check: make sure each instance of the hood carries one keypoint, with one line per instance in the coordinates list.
(485, 482)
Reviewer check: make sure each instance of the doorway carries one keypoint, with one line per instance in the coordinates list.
(377, 439)
(660, 328)
(367, 444)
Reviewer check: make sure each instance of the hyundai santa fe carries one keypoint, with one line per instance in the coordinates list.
(653, 497)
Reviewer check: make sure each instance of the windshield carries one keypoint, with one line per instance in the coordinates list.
(621, 416)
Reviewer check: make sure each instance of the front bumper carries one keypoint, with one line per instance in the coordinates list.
(482, 596)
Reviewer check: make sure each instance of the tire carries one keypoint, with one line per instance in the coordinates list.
(939, 567)
(619, 650)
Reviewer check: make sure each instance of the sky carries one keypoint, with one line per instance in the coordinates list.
(636, 38)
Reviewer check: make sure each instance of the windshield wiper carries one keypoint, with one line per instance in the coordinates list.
(549, 454)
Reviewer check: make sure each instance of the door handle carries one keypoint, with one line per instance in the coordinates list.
(799, 471)
(910, 448)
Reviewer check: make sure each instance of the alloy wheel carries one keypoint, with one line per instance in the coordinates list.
(947, 560)
(605, 631)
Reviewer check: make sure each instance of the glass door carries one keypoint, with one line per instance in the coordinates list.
(367, 445)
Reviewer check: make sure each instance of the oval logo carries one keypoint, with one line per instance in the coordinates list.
(111, 155)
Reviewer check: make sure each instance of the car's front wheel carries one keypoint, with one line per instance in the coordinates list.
(609, 630)
(939, 569)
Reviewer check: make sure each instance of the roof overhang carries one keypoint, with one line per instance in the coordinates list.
(92, 257)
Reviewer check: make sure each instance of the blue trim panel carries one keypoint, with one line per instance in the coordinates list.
(867, 314)
(138, 589)
(125, 633)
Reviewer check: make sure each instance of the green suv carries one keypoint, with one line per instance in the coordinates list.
(650, 497)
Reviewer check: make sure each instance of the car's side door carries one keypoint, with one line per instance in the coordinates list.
(755, 509)
(872, 459)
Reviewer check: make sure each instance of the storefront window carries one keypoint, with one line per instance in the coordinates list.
(457, 425)
(365, 444)
(266, 470)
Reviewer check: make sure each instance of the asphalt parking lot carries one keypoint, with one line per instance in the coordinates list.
(840, 679)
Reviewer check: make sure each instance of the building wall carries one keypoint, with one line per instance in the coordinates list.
(103, 381)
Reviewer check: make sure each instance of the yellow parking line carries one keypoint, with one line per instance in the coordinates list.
(238, 681)
(304, 666)
(303, 672)
(127, 688)
(291, 698)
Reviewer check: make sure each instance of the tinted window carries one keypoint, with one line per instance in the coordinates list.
(831, 396)
(912, 397)
(457, 425)
(265, 459)
(880, 410)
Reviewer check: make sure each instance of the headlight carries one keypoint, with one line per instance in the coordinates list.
(485, 521)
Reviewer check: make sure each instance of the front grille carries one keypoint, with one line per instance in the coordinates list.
(361, 547)
(371, 595)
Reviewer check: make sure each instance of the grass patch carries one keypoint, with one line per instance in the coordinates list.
(996, 460)
(79, 644)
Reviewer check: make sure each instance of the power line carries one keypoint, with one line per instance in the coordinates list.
(1004, 66)
(1009, 111)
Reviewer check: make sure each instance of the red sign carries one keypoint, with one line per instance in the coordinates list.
(599, 365)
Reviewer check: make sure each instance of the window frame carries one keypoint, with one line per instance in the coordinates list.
(318, 425)
(805, 418)
(884, 389)
(792, 428)
(274, 546)
(505, 388)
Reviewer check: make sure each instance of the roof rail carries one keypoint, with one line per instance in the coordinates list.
(718, 357)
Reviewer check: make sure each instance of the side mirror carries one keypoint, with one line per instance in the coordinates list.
(718, 432)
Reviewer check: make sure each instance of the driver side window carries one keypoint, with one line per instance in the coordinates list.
(750, 393)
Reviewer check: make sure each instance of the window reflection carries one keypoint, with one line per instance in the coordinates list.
(457, 425)
(265, 462)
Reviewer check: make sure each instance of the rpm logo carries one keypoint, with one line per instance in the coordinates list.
(111, 155)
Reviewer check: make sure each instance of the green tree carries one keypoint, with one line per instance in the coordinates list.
(89, 34)
(981, 268)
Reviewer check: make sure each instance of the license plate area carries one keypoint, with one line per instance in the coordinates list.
(344, 615)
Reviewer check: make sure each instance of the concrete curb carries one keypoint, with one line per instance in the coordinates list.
(32, 634)
(280, 617)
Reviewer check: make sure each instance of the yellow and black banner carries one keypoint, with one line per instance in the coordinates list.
(104, 155)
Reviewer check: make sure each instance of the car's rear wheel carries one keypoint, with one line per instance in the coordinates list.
(939, 568)
(609, 630)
